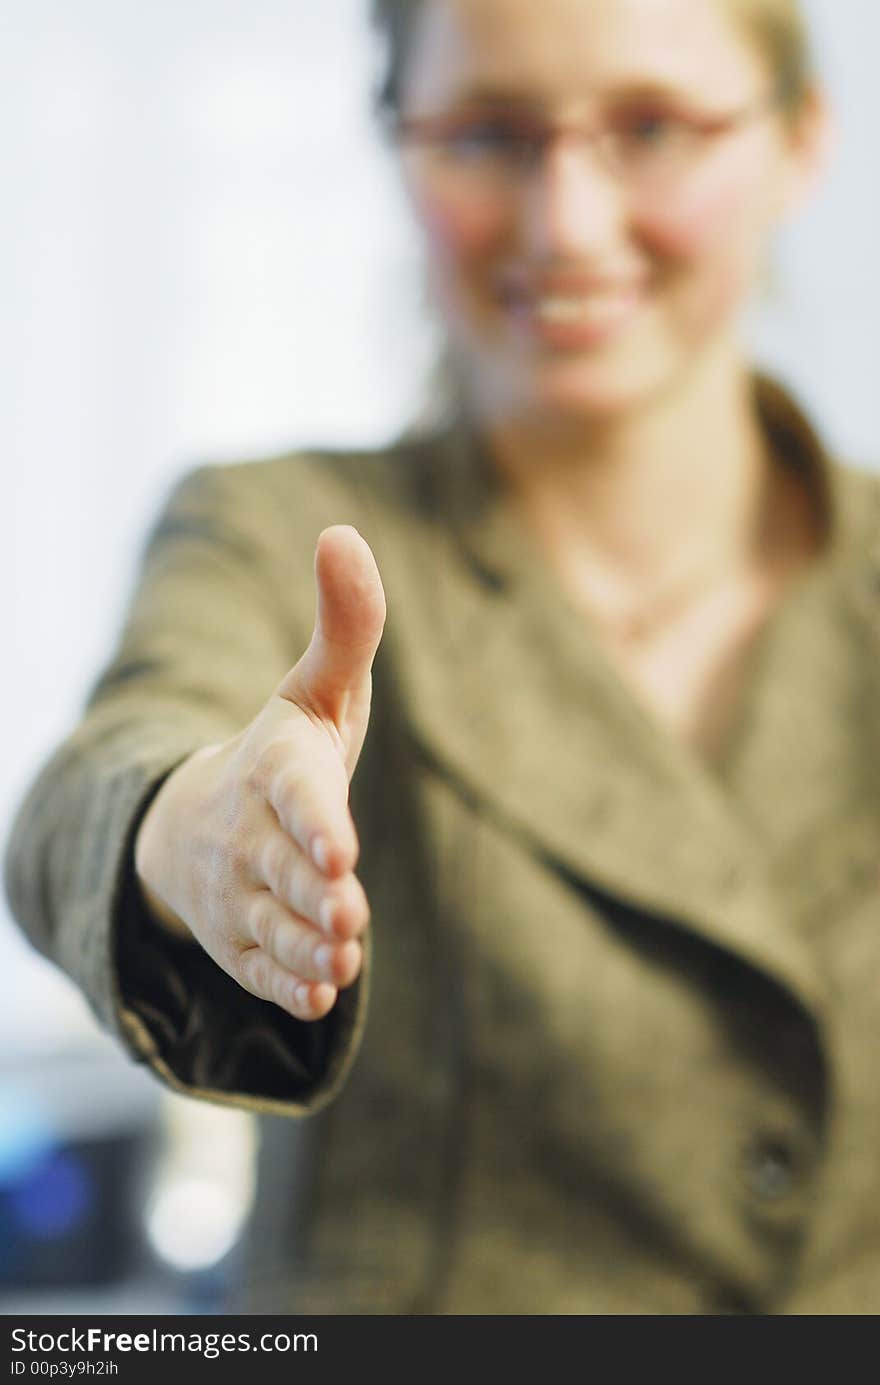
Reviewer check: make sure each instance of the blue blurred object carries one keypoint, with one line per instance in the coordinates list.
(76, 1143)
(55, 1198)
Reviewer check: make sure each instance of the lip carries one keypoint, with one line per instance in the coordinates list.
(569, 311)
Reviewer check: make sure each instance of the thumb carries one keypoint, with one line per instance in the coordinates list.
(348, 624)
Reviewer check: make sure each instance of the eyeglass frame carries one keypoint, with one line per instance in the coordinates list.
(436, 130)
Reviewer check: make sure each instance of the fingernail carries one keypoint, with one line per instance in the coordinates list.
(326, 914)
(320, 854)
(302, 996)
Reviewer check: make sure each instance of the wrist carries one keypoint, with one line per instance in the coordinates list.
(152, 850)
(159, 912)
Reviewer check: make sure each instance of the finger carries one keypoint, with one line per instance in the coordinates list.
(261, 975)
(337, 907)
(299, 948)
(333, 679)
(350, 613)
(309, 794)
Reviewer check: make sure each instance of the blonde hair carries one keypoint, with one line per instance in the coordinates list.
(779, 29)
(777, 26)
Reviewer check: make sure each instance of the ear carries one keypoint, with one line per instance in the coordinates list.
(809, 137)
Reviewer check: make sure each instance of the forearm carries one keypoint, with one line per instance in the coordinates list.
(68, 851)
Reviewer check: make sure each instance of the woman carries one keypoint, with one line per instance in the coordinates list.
(609, 1044)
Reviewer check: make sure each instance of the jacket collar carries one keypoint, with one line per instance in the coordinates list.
(511, 697)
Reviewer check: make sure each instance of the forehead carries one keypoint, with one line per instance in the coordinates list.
(559, 49)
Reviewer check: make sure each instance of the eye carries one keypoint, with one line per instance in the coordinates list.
(486, 139)
(647, 130)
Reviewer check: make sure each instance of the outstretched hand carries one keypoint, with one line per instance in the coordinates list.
(250, 846)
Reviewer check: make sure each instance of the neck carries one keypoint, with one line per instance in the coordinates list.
(636, 497)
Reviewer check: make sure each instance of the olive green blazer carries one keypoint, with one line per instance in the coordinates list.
(616, 1044)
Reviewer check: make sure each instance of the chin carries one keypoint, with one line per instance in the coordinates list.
(591, 392)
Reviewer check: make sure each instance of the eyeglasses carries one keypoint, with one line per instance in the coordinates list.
(493, 154)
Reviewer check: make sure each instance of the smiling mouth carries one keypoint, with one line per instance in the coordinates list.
(585, 308)
(573, 319)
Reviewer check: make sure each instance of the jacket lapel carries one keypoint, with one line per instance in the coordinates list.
(804, 771)
(507, 692)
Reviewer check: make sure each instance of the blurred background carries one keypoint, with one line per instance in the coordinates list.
(204, 255)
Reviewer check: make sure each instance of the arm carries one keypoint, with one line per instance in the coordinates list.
(224, 598)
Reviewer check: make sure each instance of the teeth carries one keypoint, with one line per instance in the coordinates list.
(558, 308)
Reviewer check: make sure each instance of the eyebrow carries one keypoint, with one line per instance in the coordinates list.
(633, 89)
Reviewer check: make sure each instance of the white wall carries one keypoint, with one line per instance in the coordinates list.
(203, 255)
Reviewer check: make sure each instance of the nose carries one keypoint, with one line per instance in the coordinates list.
(573, 205)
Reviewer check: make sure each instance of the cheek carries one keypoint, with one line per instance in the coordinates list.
(459, 236)
(722, 218)
(711, 248)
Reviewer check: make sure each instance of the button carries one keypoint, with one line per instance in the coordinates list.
(770, 1168)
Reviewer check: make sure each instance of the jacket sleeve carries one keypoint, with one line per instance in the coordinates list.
(223, 606)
